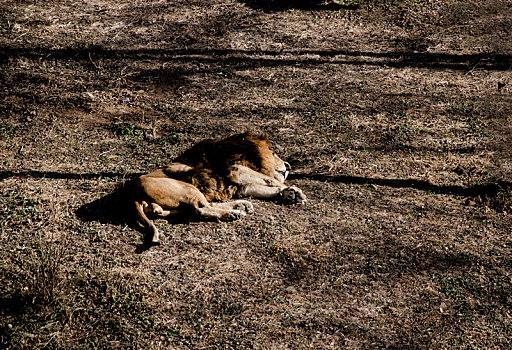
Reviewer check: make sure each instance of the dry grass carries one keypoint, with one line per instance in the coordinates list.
(395, 117)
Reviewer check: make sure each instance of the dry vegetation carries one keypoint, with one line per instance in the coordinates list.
(395, 116)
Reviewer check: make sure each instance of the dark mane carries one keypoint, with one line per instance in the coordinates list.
(212, 160)
(220, 155)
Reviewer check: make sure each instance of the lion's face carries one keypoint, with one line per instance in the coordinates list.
(271, 164)
(281, 168)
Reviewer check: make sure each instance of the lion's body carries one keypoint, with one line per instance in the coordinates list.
(210, 173)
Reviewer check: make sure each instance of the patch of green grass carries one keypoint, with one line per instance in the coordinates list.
(461, 289)
(18, 210)
(7, 131)
(475, 126)
(454, 287)
(485, 177)
(103, 160)
(171, 139)
(128, 130)
(461, 107)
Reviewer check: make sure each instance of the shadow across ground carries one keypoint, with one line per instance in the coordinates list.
(487, 190)
(267, 58)
(70, 176)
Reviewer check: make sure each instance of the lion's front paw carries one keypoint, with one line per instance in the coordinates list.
(292, 195)
(244, 206)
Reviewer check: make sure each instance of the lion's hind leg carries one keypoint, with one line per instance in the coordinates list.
(157, 210)
(141, 207)
(214, 212)
(241, 204)
(227, 211)
(164, 196)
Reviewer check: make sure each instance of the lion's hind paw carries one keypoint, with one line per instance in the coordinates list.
(244, 206)
(233, 215)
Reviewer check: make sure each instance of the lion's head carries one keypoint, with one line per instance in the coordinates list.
(250, 149)
(265, 159)
(281, 168)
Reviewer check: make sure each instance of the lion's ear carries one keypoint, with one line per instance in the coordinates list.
(263, 136)
(256, 136)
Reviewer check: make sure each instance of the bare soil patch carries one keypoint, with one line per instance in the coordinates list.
(395, 117)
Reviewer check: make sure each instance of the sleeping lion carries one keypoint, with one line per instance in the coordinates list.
(205, 179)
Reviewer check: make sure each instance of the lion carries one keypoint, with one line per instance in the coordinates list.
(207, 180)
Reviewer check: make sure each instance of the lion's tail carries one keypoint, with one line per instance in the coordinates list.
(139, 208)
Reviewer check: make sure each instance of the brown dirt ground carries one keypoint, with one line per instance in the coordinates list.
(394, 115)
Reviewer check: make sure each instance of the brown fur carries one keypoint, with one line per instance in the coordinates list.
(211, 172)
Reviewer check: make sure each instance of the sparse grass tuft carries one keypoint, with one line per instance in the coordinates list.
(124, 130)
(7, 22)
(18, 210)
(454, 286)
(294, 265)
(502, 202)
(7, 131)
(114, 311)
(45, 272)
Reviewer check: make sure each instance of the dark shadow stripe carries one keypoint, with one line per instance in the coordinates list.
(488, 189)
(59, 175)
(254, 57)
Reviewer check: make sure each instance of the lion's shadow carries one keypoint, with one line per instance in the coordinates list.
(116, 209)
(109, 209)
